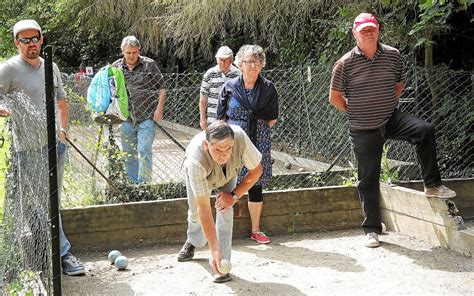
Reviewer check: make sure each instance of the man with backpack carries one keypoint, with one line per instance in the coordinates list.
(147, 95)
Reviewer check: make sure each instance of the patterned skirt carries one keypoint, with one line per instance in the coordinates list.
(238, 116)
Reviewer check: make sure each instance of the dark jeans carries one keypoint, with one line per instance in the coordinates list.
(368, 146)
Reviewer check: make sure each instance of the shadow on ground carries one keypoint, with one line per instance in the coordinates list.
(304, 257)
(436, 258)
(241, 286)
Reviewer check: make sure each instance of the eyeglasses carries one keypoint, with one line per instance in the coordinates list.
(27, 40)
(254, 63)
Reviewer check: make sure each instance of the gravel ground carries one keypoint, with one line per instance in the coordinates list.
(305, 264)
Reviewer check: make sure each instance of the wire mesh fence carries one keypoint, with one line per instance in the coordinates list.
(25, 237)
(310, 143)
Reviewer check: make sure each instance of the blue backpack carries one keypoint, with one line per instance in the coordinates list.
(107, 96)
(99, 94)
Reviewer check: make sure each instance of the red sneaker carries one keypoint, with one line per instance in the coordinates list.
(260, 237)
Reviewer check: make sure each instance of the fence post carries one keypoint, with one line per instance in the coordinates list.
(53, 174)
(300, 113)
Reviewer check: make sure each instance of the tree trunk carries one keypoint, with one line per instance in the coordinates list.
(430, 76)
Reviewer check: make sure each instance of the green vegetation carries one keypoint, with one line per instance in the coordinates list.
(352, 179)
(388, 174)
(80, 192)
(184, 34)
(292, 227)
(84, 192)
(4, 154)
(29, 284)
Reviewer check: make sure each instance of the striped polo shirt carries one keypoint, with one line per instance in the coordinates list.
(211, 86)
(369, 85)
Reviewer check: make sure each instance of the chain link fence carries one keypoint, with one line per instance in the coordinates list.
(310, 141)
(310, 146)
(25, 237)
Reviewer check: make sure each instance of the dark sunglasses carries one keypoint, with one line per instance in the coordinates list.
(27, 40)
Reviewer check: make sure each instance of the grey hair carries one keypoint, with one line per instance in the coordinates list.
(255, 50)
(218, 130)
(130, 41)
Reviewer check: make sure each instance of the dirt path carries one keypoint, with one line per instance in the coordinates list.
(306, 264)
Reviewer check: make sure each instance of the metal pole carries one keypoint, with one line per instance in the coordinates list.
(300, 121)
(53, 174)
(173, 139)
(112, 185)
(344, 149)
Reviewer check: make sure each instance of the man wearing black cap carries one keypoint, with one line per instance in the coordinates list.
(366, 84)
(24, 73)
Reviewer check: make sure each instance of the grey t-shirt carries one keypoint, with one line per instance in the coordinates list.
(16, 75)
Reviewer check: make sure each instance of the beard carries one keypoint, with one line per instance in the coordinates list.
(32, 54)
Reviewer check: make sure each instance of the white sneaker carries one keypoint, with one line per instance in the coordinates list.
(372, 240)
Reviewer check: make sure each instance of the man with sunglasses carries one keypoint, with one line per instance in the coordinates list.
(24, 73)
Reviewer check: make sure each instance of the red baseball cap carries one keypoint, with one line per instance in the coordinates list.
(364, 20)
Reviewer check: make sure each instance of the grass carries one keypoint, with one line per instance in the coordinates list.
(3, 164)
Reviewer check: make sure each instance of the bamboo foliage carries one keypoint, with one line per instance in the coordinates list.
(187, 32)
(267, 22)
(188, 24)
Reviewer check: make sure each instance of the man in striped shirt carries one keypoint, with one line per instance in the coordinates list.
(212, 83)
(366, 83)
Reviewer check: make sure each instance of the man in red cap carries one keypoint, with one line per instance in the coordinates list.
(366, 84)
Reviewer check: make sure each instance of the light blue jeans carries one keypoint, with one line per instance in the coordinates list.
(39, 207)
(137, 143)
(224, 222)
(65, 245)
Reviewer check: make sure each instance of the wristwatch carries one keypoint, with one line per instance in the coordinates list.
(235, 197)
